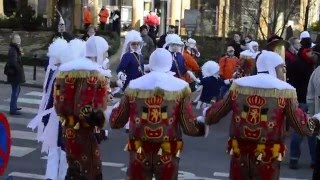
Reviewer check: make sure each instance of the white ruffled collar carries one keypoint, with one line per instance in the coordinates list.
(152, 80)
(80, 64)
(264, 81)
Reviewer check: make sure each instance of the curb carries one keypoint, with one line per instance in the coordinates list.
(24, 84)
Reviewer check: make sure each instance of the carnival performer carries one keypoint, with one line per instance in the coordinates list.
(248, 60)
(131, 62)
(260, 104)
(5, 142)
(211, 84)
(190, 55)
(175, 46)
(47, 121)
(81, 113)
(155, 103)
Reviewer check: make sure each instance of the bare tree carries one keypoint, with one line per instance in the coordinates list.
(272, 14)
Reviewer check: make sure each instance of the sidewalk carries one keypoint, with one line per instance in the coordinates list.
(40, 72)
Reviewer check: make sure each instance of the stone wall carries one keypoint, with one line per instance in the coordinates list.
(32, 42)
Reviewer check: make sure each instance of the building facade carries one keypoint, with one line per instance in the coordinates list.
(215, 18)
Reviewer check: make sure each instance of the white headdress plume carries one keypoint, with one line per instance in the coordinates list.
(96, 46)
(78, 48)
(160, 60)
(210, 68)
(131, 36)
(267, 62)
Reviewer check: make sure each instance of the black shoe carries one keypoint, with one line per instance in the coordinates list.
(19, 108)
(312, 166)
(15, 113)
(293, 164)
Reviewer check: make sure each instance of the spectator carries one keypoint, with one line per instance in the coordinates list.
(291, 52)
(236, 44)
(87, 20)
(148, 45)
(152, 21)
(115, 19)
(91, 31)
(299, 73)
(245, 43)
(162, 39)
(103, 17)
(62, 32)
(14, 71)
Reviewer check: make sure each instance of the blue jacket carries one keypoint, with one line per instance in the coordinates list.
(211, 88)
(178, 57)
(130, 66)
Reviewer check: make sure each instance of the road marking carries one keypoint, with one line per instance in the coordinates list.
(221, 174)
(27, 110)
(19, 121)
(28, 100)
(27, 175)
(18, 151)
(226, 175)
(34, 93)
(111, 164)
(23, 135)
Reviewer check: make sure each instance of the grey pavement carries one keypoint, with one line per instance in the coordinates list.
(201, 159)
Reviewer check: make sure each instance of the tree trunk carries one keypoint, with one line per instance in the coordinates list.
(66, 7)
(306, 16)
(257, 20)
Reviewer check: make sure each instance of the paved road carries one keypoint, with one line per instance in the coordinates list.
(202, 158)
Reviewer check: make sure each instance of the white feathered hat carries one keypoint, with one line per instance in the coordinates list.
(78, 48)
(267, 62)
(210, 68)
(160, 60)
(173, 39)
(57, 52)
(191, 43)
(131, 36)
(96, 46)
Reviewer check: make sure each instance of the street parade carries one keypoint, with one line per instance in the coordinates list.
(159, 98)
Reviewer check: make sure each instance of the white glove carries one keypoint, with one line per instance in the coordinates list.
(120, 83)
(228, 81)
(192, 76)
(122, 76)
(146, 68)
(200, 119)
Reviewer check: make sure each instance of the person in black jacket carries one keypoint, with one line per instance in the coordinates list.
(162, 39)
(14, 71)
(299, 72)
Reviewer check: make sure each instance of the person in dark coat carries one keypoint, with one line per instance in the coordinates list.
(162, 39)
(236, 44)
(115, 19)
(15, 72)
(62, 32)
(299, 72)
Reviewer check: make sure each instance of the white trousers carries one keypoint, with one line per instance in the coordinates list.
(56, 164)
